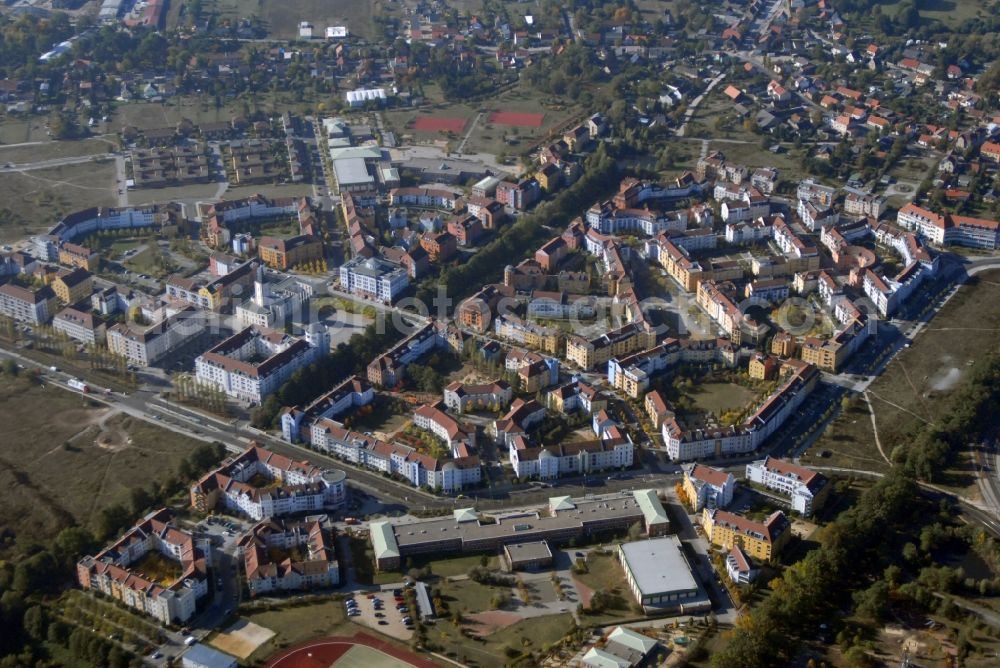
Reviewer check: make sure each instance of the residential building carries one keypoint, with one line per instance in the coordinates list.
(708, 439)
(77, 256)
(374, 278)
(707, 487)
(447, 475)
(73, 286)
(577, 396)
(760, 540)
(116, 571)
(80, 325)
(285, 254)
(580, 458)
(251, 364)
(147, 345)
(352, 393)
(461, 397)
(259, 483)
(283, 556)
(26, 305)
(527, 333)
(806, 489)
(738, 567)
(589, 353)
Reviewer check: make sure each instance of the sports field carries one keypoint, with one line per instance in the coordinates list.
(358, 651)
(438, 124)
(523, 120)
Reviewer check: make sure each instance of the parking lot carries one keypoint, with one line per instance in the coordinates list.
(385, 617)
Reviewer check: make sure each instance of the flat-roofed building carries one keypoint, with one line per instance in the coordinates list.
(659, 576)
(528, 556)
(564, 519)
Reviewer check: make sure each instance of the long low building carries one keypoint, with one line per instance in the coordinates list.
(564, 519)
(660, 577)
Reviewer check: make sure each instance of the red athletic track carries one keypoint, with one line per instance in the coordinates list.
(515, 118)
(325, 651)
(439, 123)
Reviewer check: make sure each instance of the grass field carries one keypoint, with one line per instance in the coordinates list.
(909, 392)
(282, 18)
(16, 130)
(62, 464)
(35, 200)
(719, 398)
(528, 635)
(949, 12)
(55, 149)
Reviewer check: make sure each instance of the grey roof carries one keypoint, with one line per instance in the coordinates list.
(383, 540)
(202, 656)
(598, 658)
(351, 171)
(532, 551)
(651, 507)
(658, 566)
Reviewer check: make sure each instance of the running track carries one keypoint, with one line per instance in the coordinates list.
(324, 652)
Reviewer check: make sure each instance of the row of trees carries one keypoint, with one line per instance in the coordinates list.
(525, 235)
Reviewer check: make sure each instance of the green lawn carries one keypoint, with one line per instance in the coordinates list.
(282, 19)
(719, 398)
(536, 634)
(51, 150)
(949, 12)
(466, 595)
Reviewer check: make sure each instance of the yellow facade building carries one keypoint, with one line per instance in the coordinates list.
(760, 540)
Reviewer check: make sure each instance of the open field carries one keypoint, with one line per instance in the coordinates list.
(198, 191)
(520, 119)
(909, 393)
(439, 124)
(719, 398)
(52, 150)
(153, 115)
(33, 201)
(282, 18)
(15, 130)
(73, 459)
(949, 12)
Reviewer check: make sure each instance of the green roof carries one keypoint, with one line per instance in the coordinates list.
(383, 540)
(651, 507)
